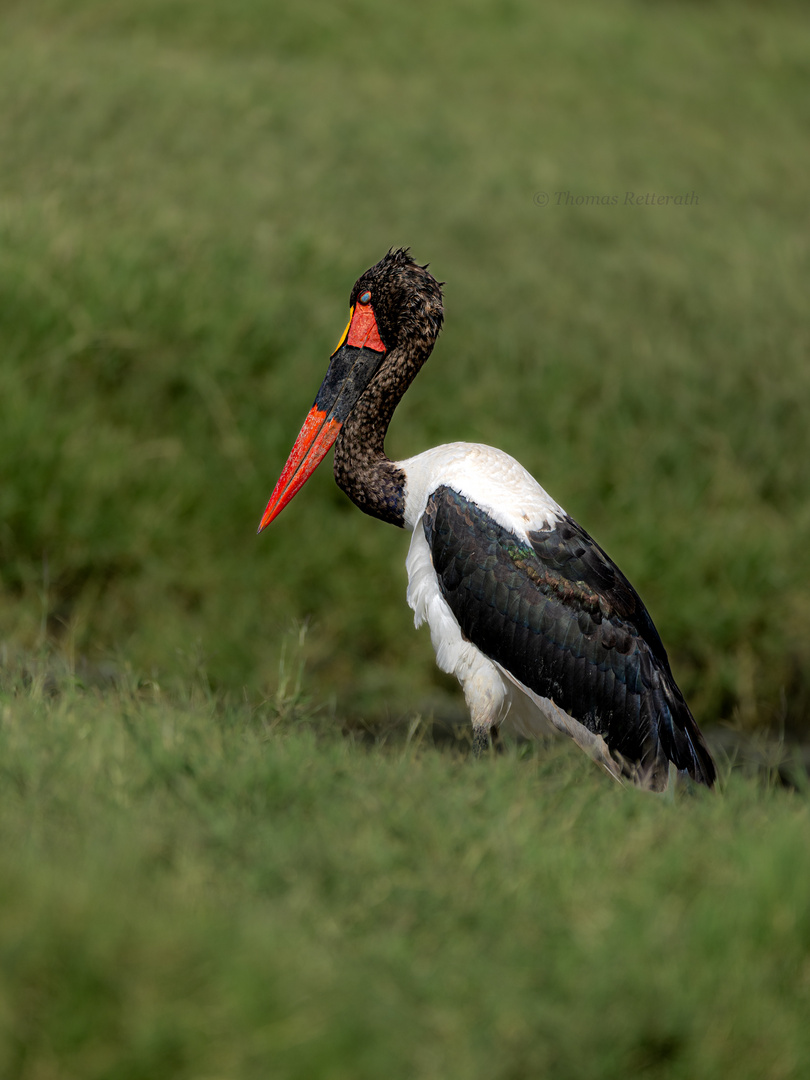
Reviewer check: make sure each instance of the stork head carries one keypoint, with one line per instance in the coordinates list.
(405, 297)
(395, 311)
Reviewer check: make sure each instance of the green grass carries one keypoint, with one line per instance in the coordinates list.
(200, 875)
(197, 888)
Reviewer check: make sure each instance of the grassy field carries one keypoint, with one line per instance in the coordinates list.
(216, 890)
(199, 875)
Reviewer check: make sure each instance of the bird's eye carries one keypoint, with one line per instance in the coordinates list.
(364, 298)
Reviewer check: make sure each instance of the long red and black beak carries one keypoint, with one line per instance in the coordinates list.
(352, 366)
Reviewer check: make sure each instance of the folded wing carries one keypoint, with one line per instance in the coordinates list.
(556, 613)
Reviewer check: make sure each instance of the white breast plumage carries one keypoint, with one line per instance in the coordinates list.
(486, 476)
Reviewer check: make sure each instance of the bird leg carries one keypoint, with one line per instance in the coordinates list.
(485, 693)
(486, 738)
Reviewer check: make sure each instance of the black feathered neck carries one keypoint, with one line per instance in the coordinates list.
(407, 303)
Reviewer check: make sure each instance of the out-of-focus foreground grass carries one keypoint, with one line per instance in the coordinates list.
(196, 888)
(189, 190)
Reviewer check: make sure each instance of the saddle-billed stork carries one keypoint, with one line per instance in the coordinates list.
(541, 629)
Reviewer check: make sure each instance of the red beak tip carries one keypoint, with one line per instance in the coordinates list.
(268, 517)
(311, 446)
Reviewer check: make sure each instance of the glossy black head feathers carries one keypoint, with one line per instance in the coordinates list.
(406, 298)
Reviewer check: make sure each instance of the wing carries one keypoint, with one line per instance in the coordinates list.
(562, 619)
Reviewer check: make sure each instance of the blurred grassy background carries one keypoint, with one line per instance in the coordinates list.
(188, 191)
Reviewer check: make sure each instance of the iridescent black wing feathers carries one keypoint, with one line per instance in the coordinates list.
(560, 617)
